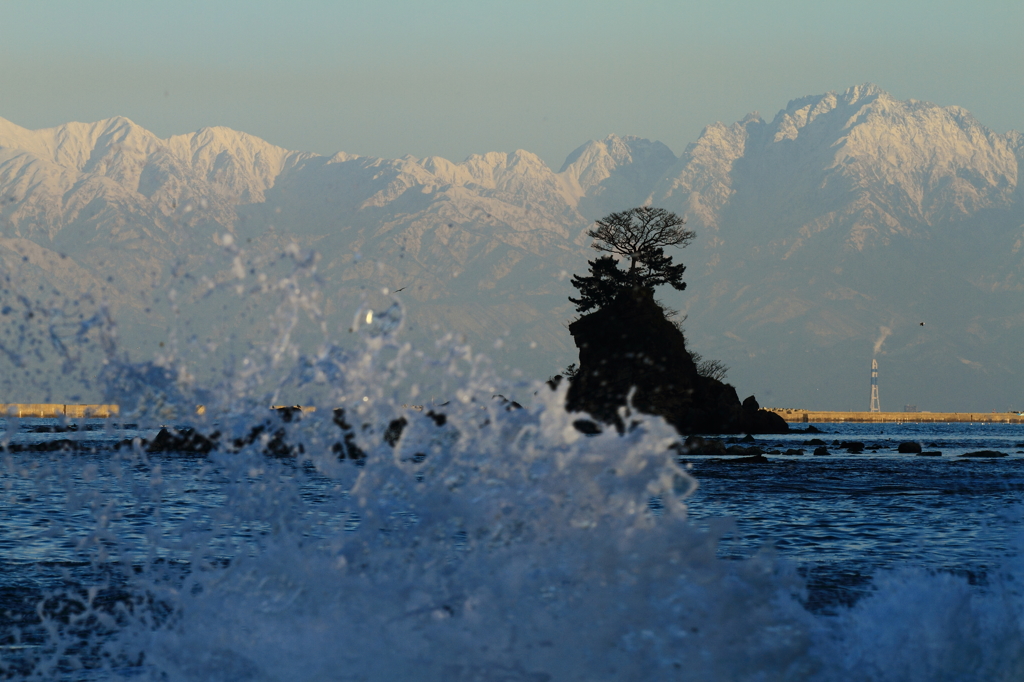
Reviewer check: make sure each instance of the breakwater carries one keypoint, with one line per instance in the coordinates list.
(56, 410)
(807, 416)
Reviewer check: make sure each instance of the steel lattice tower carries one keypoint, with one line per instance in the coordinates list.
(874, 386)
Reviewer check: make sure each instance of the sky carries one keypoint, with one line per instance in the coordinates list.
(452, 78)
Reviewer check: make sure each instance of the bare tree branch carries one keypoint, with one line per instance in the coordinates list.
(640, 230)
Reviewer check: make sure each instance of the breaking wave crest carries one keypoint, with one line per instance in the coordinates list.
(421, 525)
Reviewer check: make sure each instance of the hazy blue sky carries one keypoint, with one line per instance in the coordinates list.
(393, 77)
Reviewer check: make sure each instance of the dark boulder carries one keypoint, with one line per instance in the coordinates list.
(60, 445)
(794, 452)
(740, 451)
(821, 451)
(755, 420)
(984, 454)
(587, 427)
(909, 448)
(181, 440)
(695, 445)
(629, 347)
(346, 448)
(393, 433)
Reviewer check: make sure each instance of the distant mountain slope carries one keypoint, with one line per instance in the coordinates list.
(846, 214)
(861, 162)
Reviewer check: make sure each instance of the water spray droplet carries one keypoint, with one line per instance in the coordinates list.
(382, 323)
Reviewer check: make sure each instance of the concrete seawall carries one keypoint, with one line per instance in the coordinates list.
(806, 416)
(55, 410)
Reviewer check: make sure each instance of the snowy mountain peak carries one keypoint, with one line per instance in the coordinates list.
(864, 91)
(614, 172)
(806, 224)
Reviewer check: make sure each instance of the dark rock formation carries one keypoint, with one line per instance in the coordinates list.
(394, 431)
(61, 445)
(183, 439)
(629, 345)
(821, 451)
(909, 448)
(587, 427)
(346, 448)
(984, 454)
(740, 451)
(695, 445)
(273, 436)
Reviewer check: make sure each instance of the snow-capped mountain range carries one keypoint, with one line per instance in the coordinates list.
(847, 219)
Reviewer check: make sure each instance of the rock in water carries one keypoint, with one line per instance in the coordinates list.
(629, 345)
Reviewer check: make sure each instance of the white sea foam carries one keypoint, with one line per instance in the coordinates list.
(480, 541)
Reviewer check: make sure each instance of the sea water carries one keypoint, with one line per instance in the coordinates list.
(396, 535)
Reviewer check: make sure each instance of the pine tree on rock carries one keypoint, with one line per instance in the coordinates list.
(640, 234)
(628, 347)
(637, 236)
(606, 281)
(602, 287)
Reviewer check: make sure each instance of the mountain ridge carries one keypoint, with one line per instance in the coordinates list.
(845, 213)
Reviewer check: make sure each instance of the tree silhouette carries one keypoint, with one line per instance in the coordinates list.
(632, 354)
(640, 235)
(601, 287)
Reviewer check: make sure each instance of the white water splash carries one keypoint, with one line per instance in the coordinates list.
(431, 531)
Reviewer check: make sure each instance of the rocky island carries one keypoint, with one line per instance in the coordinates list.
(631, 352)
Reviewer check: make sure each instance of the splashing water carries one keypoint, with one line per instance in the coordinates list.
(417, 526)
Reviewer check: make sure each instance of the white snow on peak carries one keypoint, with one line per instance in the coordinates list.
(778, 206)
(860, 153)
(614, 172)
(859, 158)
